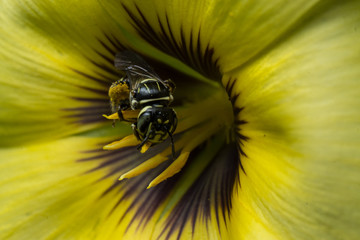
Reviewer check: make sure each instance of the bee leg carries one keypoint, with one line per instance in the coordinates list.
(121, 117)
(133, 126)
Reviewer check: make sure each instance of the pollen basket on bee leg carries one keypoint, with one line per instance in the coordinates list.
(119, 90)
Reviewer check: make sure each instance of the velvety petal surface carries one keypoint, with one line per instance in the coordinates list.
(54, 70)
(63, 192)
(291, 71)
(301, 105)
(68, 189)
(229, 32)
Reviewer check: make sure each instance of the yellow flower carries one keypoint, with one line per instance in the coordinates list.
(268, 140)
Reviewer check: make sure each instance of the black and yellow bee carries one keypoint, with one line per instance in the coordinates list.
(143, 90)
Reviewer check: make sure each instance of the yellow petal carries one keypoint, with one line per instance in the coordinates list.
(198, 187)
(44, 192)
(60, 190)
(236, 31)
(301, 105)
(51, 72)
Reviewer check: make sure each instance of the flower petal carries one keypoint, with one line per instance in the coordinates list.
(56, 69)
(45, 193)
(301, 105)
(69, 189)
(206, 33)
(60, 190)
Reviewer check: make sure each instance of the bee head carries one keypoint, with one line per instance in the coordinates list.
(155, 124)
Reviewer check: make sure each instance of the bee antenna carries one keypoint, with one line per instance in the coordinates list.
(121, 117)
(172, 144)
(143, 141)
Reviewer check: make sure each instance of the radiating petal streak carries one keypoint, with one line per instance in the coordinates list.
(167, 42)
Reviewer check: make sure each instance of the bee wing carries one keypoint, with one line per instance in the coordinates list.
(135, 67)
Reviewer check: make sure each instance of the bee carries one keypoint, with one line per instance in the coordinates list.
(151, 95)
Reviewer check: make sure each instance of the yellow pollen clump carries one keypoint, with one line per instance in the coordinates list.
(118, 91)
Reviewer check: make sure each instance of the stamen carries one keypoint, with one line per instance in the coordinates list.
(127, 141)
(203, 133)
(127, 114)
(174, 168)
(114, 116)
(145, 166)
(145, 147)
